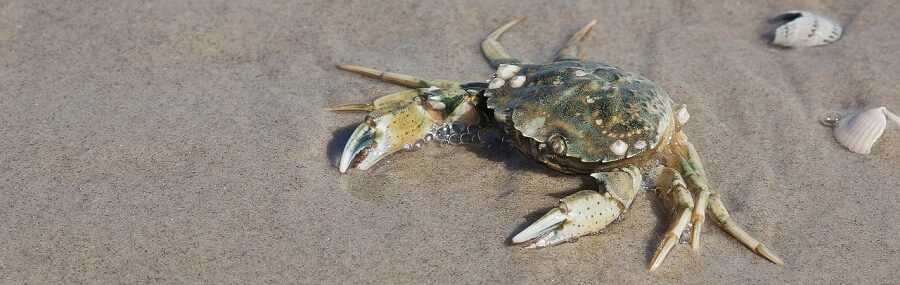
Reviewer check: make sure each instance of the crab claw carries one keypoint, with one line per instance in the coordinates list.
(390, 127)
(583, 213)
(361, 141)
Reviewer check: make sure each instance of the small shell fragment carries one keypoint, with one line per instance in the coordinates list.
(805, 29)
(507, 71)
(860, 132)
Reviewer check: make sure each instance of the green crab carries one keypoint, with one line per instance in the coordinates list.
(573, 115)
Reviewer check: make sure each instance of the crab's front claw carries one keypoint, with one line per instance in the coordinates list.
(361, 142)
(391, 126)
(583, 213)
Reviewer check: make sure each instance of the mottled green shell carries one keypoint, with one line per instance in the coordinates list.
(587, 104)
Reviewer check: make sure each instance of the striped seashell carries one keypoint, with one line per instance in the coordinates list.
(805, 29)
(860, 132)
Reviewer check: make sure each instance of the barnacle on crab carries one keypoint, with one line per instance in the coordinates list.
(575, 116)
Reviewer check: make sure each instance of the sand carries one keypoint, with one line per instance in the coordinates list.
(179, 142)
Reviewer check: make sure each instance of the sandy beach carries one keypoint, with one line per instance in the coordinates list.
(183, 142)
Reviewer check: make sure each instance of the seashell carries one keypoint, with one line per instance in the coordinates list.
(805, 29)
(859, 132)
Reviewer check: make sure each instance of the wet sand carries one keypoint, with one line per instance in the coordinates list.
(180, 142)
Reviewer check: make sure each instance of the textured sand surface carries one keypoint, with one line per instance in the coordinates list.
(182, 141)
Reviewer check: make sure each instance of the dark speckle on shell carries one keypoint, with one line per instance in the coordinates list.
(591, 105)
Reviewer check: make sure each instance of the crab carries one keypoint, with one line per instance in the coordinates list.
(573, 115)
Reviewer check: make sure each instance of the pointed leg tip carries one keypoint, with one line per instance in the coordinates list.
(592, 23)
(351, 108)
(347, 67)
(768, 254)
(506, 26)
(695, 239)
(696, 247)
(654, 263)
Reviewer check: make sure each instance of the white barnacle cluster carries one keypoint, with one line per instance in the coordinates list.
(507, 72)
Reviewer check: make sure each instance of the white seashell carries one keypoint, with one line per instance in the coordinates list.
(507, 71)
(517, 81)
(805, 29)
(496, 83)
(858, 133)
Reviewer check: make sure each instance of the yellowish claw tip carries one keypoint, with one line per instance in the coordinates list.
(761, 249)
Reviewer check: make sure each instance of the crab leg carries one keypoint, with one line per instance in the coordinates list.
(399, 97)
(693, 170)
(585, 212)
(395, 78)
(493, 51)
(572, 50)
(674, 186)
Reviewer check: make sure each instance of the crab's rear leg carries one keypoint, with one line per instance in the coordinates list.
(575, 46)
(585, 212)
(693, 171)
(493, 51)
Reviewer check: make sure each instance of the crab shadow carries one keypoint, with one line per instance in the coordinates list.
(515, 162)
(335, 146)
